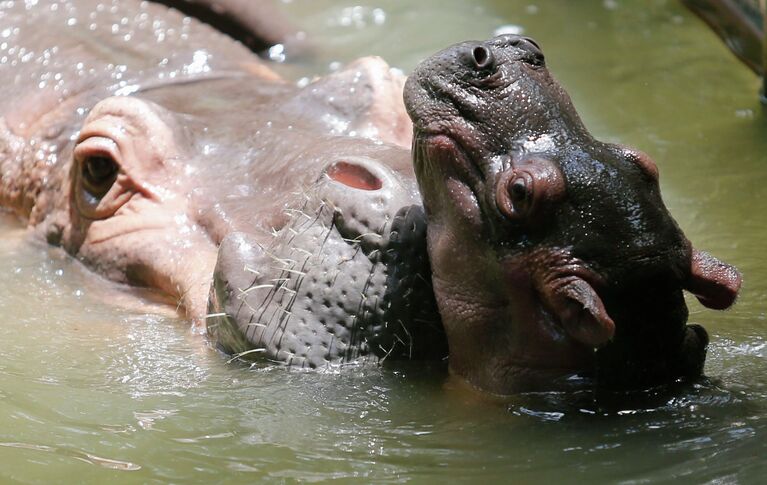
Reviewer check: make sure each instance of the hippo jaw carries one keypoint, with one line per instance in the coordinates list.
(552, 253)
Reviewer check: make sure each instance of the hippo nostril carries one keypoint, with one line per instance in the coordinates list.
(482, 56)
(354, 176)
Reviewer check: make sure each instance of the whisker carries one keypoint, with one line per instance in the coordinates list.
(252, 288)
(247, 352)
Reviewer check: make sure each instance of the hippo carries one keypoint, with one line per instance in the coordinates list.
(739, 23)
(260, 26)
(291, 224)
(140, 140)
(546, 244)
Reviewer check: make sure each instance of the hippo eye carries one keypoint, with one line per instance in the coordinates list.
(520, 194)
(98, 173)
(515, 195)
(518, 191)
(524, 192)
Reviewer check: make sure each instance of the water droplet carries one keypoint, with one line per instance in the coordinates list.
(277, 53)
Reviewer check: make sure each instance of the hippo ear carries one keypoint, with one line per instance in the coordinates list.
(579, 309)
(714, 283)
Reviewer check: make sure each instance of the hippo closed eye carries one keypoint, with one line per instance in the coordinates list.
(545, 243)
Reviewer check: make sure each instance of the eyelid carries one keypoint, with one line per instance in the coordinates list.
(97, 146)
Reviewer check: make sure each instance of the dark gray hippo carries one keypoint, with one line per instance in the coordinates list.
(544, 242)
(289, 222)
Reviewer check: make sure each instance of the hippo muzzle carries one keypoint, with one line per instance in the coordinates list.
(346, 278)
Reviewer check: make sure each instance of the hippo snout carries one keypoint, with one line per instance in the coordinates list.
(345, 279)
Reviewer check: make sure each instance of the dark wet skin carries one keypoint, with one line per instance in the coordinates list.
(545, 243)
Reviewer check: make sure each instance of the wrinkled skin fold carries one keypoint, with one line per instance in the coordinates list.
(552, 252)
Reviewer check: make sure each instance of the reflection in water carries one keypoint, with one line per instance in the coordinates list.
(97, 385)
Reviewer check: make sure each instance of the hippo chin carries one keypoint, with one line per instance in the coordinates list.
(289, 219)
(545, 243)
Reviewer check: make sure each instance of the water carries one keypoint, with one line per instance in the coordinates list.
(97, 385)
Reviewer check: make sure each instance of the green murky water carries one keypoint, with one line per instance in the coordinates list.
(94, 388)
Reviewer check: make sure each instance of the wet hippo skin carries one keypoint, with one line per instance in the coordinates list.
(141, 151)
(257, 24)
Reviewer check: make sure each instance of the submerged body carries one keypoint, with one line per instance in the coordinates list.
(290, 222)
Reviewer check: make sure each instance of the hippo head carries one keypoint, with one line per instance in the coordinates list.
(545, 243)
(299, 215)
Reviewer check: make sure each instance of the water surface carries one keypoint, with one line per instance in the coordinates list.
(96, 387)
